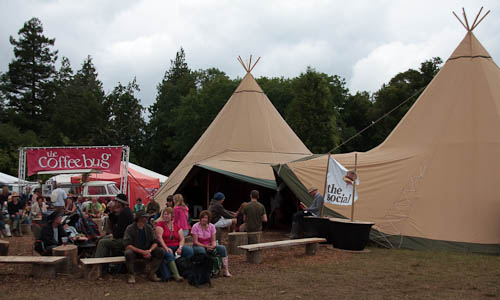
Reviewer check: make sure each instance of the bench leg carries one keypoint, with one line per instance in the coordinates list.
(44, 271)
(92, 272)
(254, 257)
(311, 249)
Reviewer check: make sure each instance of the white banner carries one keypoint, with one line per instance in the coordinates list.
(338, 191)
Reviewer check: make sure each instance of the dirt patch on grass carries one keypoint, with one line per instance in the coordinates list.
(287, 273)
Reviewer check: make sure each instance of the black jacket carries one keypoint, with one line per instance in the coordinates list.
(47, 235)
(120, 222)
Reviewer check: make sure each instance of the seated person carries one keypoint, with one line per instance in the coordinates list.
(240, 218)
(171, 238)
(139, 206)
(313, 210)
(94, 209)
(38, 208)
(153, 208)
(52, 234)
(70, 206)
(16, 210)
(120, 217)
(221, 218)
(203, 234)
(140, 242)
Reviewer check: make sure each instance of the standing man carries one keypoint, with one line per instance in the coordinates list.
(313, 210)
(254, 213)
(120, 217)
(140, 242)
(60, 198)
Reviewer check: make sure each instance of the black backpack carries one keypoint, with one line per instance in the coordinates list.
(183, 265)
(200, 270)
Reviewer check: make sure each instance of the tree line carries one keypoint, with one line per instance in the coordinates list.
(41, 105)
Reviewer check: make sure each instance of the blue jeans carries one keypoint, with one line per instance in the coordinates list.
(187, 252)
(220, 249)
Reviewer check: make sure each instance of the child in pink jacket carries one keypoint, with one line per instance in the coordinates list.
(181, 213)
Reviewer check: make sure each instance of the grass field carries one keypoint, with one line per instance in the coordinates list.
(287, 273)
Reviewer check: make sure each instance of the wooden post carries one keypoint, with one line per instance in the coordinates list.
(92, 272)
(311, 249)
(326, 183)
(71, 253)
(254, 257)
(236, 239)
(254, 237)
(44, 271)
(354, 185)
(4, 248)
(26, 228)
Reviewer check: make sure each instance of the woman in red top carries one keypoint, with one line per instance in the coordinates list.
(171, 237)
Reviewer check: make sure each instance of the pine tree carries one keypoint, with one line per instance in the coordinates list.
(176, 83)
(80, 114)
(126, 123)
(28, 83)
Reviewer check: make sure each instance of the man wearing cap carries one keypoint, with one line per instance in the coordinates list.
(120, 217)
(221, 218)
(15, 209)
(140, 242)
(313, 210)
(52, 233)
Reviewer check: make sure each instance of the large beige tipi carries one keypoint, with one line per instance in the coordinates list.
(433, 183)
(241, 144)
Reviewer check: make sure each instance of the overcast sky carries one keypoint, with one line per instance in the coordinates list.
(366, 42)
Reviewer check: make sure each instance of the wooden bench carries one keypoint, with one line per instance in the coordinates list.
(92, 266)
(43, 266)
(254, 251)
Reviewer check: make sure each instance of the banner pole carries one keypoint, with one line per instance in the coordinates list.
(354, 185)
(326, 183)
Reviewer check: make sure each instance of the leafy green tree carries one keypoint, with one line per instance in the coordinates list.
(312, 114)
(199, 108)
(126, 122)
(404, 85)
(80, 115)
(279, 91)
(28, 83)
(11, 138)
(177, 82)
(354, 117)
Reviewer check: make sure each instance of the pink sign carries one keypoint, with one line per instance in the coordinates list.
(56, 159)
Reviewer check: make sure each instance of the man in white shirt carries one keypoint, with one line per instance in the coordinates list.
(58, 198)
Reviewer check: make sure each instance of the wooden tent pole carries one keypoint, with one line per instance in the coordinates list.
(460, 21)
(465, 18)
(477, 16)
(255, 64)
(326, 183)
(481, 19)
(208, 189)
(250, 63)
(354, 185)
